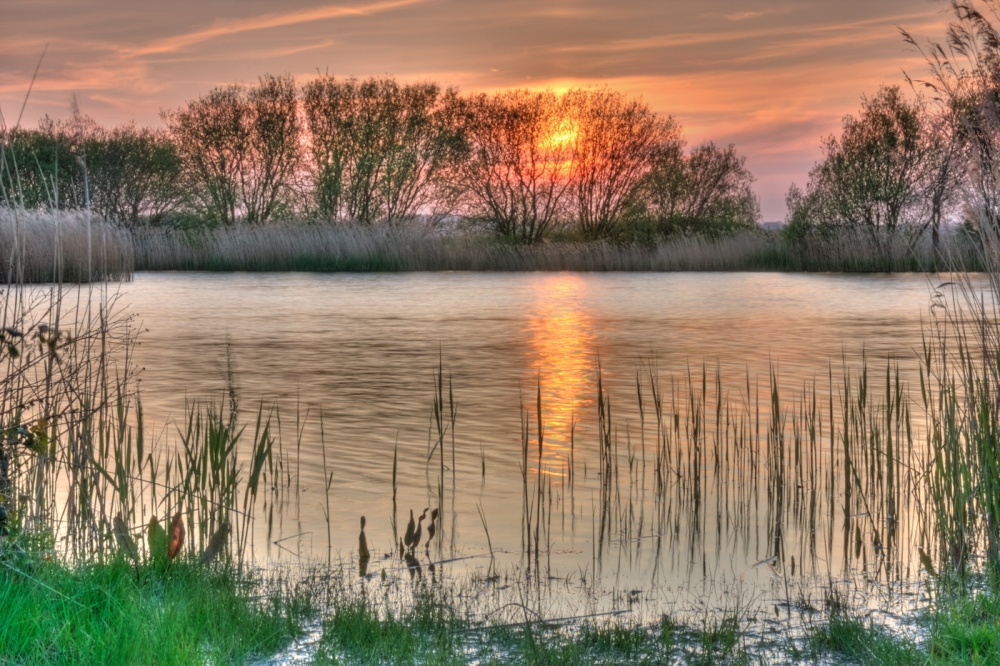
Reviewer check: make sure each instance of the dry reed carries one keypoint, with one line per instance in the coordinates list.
(53, 246)
(305, 246)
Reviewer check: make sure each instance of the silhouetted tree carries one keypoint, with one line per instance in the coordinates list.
(615, 144)
(240, 148)
(870, 176)
(380, 149)
(708, 190)
(517, 173)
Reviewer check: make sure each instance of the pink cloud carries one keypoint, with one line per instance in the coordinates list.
(265, 22)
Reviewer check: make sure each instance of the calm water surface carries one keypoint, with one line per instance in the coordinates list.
(361, 350)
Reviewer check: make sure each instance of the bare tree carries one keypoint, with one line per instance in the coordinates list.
(380, 148)
(616, 141)
(965, 82)
(240, 148)
(517, 173)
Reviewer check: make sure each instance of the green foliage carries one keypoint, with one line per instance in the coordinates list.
(157, 542)
(113, 613)
(893, 166)
(965, 629)
(127, 174)
(39, 168)
(707, 191)
(134, 174)
(860, 641)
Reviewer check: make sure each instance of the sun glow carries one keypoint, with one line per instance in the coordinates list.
(561, 136)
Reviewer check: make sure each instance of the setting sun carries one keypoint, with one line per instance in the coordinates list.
(562, 136)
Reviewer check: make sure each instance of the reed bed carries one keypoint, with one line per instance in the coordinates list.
(305, 246)
(77, 248)
(55, 246)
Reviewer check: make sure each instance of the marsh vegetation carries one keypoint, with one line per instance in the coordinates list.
(848, 510)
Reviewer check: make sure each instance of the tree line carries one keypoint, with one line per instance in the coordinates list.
(919, 157)
(895, 166)
(520, 164)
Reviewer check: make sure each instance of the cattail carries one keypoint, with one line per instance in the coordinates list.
(417, 533)
(431, 528)
(408, 537)
(125, 541)
(363, 553)
(216, 543)
(176, 536)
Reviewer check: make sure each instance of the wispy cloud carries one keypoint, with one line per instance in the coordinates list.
(266, 22)
(857, 30)
(746, 16)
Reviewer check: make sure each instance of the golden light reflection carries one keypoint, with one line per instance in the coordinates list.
(561, 340)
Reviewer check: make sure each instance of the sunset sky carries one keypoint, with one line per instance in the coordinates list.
(771, 77)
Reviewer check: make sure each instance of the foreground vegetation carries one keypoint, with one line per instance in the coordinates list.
(114, 612)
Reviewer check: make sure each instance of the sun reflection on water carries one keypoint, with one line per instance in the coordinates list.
(561, 340)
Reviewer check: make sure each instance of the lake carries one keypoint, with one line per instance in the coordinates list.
(355, 357)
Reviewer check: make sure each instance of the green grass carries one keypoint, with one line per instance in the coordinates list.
(112, 613)
(858, 640)
(965, 629)
(961, 627)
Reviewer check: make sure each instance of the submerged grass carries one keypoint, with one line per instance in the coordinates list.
(366, 627)
(858, 640)
(960, 627)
